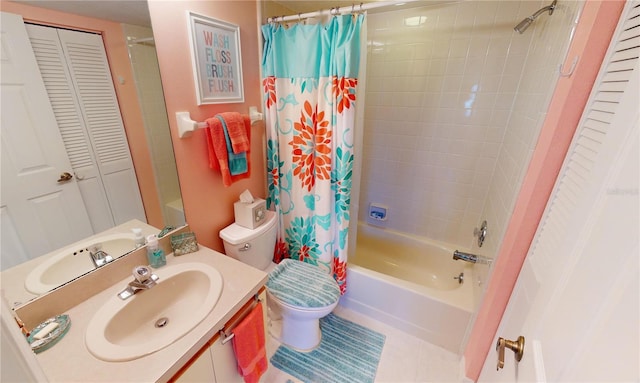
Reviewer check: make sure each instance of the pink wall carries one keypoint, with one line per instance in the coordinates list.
(208, 204)
(114, 41)
(591, 40)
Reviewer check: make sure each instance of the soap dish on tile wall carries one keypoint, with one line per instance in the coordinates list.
(377, 214)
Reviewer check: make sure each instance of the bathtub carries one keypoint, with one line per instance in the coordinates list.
(408, 283)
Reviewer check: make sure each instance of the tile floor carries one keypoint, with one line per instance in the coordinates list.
(405, 358)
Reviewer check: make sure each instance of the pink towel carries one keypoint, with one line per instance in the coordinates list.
(218, 156)
(249, 346)
(213, 157)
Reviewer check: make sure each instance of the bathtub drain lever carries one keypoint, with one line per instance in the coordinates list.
(460, 278)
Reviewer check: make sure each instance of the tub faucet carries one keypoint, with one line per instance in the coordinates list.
(98, 256)
(143, 280)
(468, 257)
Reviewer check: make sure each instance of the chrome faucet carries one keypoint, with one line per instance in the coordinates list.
(98, 256)
(468, 257)
(143, 280)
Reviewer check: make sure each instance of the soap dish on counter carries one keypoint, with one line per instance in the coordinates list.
(184, 243)
(48, 333)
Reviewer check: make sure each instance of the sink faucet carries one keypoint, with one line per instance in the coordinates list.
(468, 257)
(98, 256)
(143, 280)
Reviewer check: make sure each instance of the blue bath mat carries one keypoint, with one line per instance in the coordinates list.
(348, 352)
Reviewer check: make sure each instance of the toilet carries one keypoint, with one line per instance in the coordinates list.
(298, 293)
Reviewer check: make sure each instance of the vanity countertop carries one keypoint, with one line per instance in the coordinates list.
(70, 360)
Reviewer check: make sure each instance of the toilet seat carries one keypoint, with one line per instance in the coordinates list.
(302, 286)
(297, 308)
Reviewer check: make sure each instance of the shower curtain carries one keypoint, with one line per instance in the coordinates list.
(310, 82)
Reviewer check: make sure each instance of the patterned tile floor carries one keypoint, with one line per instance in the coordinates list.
(405, 358)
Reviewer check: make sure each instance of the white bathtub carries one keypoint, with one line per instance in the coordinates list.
(408, 282)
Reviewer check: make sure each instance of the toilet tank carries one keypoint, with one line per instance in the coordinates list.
(251, 246)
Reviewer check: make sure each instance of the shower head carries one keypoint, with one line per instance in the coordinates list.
(524, 24)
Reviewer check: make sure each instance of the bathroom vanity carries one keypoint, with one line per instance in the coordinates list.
(196, 355)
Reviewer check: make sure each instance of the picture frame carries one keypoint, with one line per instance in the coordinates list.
(217, 60)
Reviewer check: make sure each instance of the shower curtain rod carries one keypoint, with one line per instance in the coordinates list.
(142, 41)
(338, 10)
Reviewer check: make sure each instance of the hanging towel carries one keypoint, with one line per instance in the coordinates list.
(209, 132)
(249, 346)
(237, 131)
(237, 161)
(217, 147)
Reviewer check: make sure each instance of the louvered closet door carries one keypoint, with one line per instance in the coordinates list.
(577, 297)
(66, 107)
(91, 123)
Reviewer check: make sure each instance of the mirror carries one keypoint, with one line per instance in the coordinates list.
(40, 275)
(133, 16)
(146, 71)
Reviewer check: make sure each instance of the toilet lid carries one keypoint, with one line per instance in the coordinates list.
(301, 284)
(236, 234)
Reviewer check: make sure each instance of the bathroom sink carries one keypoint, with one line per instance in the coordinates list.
(152, 319)
(74, 260)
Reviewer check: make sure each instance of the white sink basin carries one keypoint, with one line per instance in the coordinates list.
(74, 260)
(123, 330)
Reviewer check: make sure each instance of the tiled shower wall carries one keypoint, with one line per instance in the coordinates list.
(442, 82)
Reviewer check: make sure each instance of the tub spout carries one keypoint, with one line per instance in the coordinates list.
(468, 257)
(465, 256)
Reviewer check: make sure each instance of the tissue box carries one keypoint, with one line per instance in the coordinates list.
(250, 215)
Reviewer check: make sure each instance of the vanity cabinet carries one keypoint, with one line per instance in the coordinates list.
(201, 370)
(216, 362)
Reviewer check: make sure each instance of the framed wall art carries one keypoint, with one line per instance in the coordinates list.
(217, 62)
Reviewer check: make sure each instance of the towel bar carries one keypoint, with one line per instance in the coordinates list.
(186, 125)
(226, 333)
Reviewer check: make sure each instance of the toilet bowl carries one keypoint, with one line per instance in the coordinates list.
(298, 293)
(302, 294)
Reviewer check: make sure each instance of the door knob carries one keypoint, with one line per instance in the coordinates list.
(516, 346)
(64, 177)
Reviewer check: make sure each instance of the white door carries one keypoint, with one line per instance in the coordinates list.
(39, 214)
(577, 298)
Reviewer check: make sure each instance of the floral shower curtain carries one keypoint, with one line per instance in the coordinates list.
(310, 81)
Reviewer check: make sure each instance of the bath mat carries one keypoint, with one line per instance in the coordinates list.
(348, 352)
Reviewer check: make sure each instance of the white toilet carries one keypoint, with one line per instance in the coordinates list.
(297, 292)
